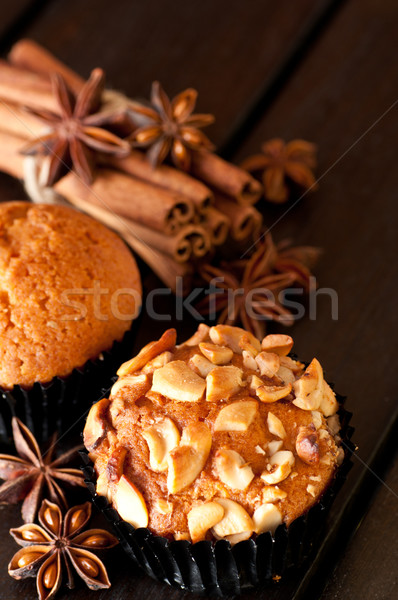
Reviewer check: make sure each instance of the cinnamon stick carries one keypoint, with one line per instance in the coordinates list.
(129, 197)
(218, 223)
(166, 177)
(29, 55)
(245, 220)
(225, 177)
(11, 160)
(191, 241)
(16, 121)
(24, 87)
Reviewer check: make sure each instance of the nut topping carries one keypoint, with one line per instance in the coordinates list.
(232, 469)
(114, 468)
(278, 343)
(293, 365)
(308, 389)
(272, 493)
(138, 386)
(286, 375)
(200, 365)
(281, 457)
(307, 444)
(272, 393)
(311, 490)
(313, 393)
(178, 382)
(329, 405)
(236, 416)
(161, 438)
(340, 456)
(130, 503)
(277, 475)
(274, 446)
(235, 519)
(202, 518)
(266, 518)
(187, 460)
(227, 335)
(223, 382)
(148, 352)
(157, 362)
(268, 363)
(218, 355)
(317, 419)
(249, 362)
(246, 345)
(235, 538)
(333, 424)
(95, 430)
(200, 335)
(281, 465)
(275, 426)
(254, 382)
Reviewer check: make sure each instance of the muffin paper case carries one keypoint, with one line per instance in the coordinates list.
(62, 404)
(217, 568)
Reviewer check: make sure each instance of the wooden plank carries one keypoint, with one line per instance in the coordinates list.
(342, 97)
(378, 532)
(348, 525)
(227, 51)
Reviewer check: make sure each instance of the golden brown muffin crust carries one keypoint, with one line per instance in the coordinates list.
(51, 258)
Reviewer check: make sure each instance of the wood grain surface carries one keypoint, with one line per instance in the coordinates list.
(327, 72)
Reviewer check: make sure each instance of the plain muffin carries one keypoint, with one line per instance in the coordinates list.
(69, 288)
(221, 437)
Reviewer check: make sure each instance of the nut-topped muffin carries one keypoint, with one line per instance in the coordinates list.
(222, 436)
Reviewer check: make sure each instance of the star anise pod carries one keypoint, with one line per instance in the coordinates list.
(60, 542)
(282, 163)
(78, 131)
(28, 475)
(169, 127)
(248, 290)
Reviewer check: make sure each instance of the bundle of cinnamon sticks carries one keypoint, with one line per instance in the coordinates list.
(172, 219)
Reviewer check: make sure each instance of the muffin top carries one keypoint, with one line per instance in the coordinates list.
(219, 437)
(69, 288)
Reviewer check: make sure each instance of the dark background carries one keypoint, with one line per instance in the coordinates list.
(318, 69)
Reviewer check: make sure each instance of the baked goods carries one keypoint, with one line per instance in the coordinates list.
(69, 288)
(219, 437)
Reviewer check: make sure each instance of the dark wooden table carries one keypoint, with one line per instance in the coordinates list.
(318, 69)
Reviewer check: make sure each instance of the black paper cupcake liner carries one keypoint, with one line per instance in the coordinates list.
(62, 404)
(216, 567)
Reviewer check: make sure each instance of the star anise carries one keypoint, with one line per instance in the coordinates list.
(169, 127)
(281, 164)
(248, 291)
(28, 475)
(78, 131)
(59, 542)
